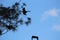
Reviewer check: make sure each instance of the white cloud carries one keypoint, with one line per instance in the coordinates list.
(56, 27)
(53, 12)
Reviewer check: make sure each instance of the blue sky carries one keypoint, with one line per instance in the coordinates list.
(45, 21)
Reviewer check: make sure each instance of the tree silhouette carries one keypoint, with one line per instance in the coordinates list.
(10, 17)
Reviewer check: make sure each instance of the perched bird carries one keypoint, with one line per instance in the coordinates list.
(24, 11)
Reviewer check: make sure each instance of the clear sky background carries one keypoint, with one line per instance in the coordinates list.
(45, 24)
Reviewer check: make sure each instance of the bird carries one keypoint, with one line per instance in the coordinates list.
(24, 11)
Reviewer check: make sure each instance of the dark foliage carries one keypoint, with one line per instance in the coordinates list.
(9, 17)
